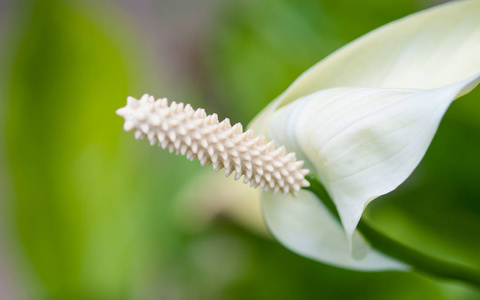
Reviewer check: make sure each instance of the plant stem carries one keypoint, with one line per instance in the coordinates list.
(419, 261)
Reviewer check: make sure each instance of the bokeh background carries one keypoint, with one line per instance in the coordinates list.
(88, 212)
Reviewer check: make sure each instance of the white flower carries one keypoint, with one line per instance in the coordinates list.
(192, 133)
(362, 119)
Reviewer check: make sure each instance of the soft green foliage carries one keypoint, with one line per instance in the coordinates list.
(77, 215)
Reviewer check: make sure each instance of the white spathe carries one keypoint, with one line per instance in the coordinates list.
(363, 118)
(321, 237)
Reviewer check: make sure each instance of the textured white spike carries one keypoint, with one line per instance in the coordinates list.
(161, 136)
(211, 151)
(267, 159)
(229, 144)
(172, 136)
(238, 175)
(259, 171)
(194, 147)
(237, 128)
(221, 137)
(214, 158)
(213, 139)
(277, 164)
(271, 146)
(132, 102)
(228, 171)
(216, 166)
(196, 135)
(291, 157)
(276, 189)
(145, 128)
(183, 149)
(182, 131)
(255, 153)
(155, 120)
(129, 125)
(144, 98)
(199, 113)
(141, 116)
(190, 132)
(226, 164)
(298, 176)
(224, 124)
(236, 160)
(214, 118)
(271, 184)
(242, 149)
(268, 177)
(138, 134)
(122, 112)
(224, 157)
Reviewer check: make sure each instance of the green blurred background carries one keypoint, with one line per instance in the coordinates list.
(88, 212)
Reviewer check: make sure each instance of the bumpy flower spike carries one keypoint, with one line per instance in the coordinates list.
(190, 132)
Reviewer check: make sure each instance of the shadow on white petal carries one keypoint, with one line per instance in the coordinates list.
(304, 225)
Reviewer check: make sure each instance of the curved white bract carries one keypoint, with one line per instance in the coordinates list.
(304, 225)
(363, 118)
(363, 142)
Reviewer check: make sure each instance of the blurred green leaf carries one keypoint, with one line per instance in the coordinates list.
(74, 210)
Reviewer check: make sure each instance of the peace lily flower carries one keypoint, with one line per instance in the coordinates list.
(361, 119)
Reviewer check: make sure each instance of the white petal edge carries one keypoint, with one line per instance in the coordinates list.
(363, 142)
(303, 225)
(426, 50)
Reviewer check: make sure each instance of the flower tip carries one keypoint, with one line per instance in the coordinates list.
(132, 102)
(144, 98)
(183, 130)
(122, 112)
